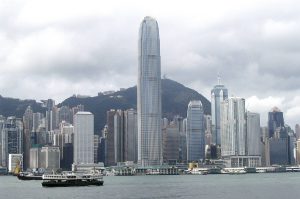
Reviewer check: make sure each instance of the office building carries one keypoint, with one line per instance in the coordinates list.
(149, 94)
(83, 138)
(218, 94)
(195, 138)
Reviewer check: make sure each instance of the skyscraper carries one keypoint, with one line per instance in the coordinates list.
(233, 127)
(195, 138)
(253, 134)
(83, 138)
(218, 94)
(27, 122)
(275, 120)
(149, 94)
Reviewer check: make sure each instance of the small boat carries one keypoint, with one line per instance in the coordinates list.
(72, 179)
(29, 176)
(233, 172)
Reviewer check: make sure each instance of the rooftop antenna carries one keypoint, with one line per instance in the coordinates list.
(219, 79)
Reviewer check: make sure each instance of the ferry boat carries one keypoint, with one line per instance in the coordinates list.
(72, 179)
(29, 176)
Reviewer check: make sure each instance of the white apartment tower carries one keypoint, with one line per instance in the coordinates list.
(83, 138)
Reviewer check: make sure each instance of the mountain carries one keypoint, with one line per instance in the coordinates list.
(17, 107)
(175, 98)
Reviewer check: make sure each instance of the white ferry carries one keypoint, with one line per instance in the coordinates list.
(72, 179)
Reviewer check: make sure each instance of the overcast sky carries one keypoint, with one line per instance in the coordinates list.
(53, 49)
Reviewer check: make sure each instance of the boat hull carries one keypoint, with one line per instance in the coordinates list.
(72, 183)
(21, 177)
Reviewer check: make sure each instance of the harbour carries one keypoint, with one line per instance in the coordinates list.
(248, 186)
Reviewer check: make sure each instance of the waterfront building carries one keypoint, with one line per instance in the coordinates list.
(35, 158)
(12, 138)
(15, 162)
(119, 136)
(28, 124)
(50, 156)
(171, 144)
(109, 139)
(218, 94)
(233, 127)
(130, 131)
(195, 138)
(67, 160)
(265, 147)
(253, 134)
(149, 94)
(83, 138)
(278, 151)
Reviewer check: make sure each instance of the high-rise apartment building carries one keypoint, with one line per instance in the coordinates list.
(83, 138)
(195, 138)
(149, 94)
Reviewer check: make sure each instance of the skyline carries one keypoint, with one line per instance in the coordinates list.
(85, 48)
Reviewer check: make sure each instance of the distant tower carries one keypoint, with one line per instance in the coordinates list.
(253, 134)
(218, 94)
(195, 138)
(27, 123)
(83, 138)
(149, 94)
(275, 120)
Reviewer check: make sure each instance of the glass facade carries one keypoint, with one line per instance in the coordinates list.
(149, 94)
(195, 132)
(233, 128)
(218, 94)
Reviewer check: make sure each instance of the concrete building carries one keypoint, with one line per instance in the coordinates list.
(83, 138)
(12, 138)
(50, 158)
(14, 161)
(195, 138)
(149, 94)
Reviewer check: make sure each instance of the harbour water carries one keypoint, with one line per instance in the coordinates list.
(248, 186)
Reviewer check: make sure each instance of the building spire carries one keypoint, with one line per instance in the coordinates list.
(219, 79)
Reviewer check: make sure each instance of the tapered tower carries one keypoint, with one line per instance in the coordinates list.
(149, 94)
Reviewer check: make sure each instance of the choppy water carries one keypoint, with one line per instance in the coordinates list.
(249, 186)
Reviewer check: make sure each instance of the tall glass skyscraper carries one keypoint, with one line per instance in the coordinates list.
(195, 138)
(218, 94)
(149, 94)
